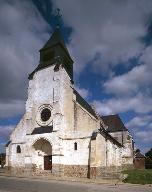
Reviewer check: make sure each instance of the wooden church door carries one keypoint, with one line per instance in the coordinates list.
(48, 162)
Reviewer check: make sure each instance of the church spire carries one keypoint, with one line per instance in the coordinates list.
(55, 51)
(58, 17)
(55, 39)
(56, 36)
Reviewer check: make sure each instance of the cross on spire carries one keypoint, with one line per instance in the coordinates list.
(58, 17)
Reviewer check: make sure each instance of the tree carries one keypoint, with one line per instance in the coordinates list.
(149, 154)
(2, 159)
(137, 151)
(148, 160)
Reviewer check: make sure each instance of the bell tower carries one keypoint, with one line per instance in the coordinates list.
(50, 92)
(55, 51)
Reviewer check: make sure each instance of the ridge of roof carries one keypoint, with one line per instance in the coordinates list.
(84, 104)
(102, 130)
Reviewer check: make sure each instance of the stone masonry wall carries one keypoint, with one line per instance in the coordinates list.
(84, 121)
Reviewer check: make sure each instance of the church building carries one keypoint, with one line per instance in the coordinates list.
(60, 133)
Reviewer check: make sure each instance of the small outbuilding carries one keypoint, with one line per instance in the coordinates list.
(139, 160)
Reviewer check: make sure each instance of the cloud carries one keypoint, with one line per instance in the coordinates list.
(105, 32)
(140, 121)
(138, 79)
(83, 92)
(2, 147)
(12, 108)
(145, 136)
(22, 34)
(5, 132)
(138, 104)
(132, 90)
(146, 56)
(130, 83)
(150, 125)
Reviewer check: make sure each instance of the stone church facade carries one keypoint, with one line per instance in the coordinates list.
(60, 133)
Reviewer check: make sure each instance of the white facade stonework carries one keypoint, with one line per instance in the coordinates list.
(70, 133)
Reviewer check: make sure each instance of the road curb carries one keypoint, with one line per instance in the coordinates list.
(68, 179)
(81, 180)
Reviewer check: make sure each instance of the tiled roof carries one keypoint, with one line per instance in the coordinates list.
(41, 130)
(114, 123)
(139, 155)
(7, 144)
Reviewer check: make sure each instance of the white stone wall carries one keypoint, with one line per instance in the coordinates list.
(119, 136)
(114, 154)
(40, 89)
(76, 157)
(127, 151)
(100, 151)
(84, 121)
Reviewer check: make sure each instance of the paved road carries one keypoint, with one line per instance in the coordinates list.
(10, 184)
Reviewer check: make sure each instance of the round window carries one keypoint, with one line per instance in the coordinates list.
(45, 114)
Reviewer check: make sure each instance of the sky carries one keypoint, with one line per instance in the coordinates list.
(110, 42)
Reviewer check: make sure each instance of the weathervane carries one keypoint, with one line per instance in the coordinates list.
(58, 17)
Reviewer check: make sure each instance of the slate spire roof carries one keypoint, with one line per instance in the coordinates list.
(55, 39)
(53, 51)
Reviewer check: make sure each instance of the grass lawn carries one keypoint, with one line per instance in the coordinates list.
(139, 176)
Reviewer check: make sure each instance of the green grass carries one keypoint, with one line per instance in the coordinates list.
(139, 176)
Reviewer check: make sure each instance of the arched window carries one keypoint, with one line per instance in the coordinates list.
(75, 146)
(18, 150)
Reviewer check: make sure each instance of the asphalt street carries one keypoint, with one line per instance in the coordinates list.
(12, 184)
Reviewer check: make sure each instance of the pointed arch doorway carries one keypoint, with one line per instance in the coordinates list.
(43, 149)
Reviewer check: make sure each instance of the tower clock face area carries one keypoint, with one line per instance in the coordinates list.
(45, 114)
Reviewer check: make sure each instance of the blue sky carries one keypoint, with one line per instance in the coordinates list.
(110, 43)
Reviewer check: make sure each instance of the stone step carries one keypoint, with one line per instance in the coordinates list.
(110, 176)
(2, 170)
